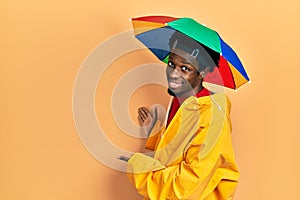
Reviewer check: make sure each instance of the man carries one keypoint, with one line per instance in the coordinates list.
(193, 156)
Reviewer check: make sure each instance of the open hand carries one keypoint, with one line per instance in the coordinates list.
(144, 116)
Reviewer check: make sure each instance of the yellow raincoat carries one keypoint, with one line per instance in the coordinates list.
(193, 158)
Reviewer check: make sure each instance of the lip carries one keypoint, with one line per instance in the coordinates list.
(175, 84)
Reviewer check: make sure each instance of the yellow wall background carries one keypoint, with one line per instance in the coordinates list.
(44, 43)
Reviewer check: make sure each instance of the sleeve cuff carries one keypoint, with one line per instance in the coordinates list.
(140, 163)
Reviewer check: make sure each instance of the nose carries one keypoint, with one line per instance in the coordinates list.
(174, 73)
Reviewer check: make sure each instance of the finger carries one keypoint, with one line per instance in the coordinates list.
(142, 112)
(140, 119)
(141, 116)
(145, 111)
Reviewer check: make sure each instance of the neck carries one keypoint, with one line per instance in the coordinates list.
(182, 97)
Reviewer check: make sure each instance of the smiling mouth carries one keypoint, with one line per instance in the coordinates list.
(175, 84)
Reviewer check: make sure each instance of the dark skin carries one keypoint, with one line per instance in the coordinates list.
(184, 80)
(144, 116)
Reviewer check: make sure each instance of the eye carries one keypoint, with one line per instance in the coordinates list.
(171, 64)
(185, 68)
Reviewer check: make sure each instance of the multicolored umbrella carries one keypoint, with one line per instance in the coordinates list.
(155, 31)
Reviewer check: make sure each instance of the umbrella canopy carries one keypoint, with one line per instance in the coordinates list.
(155, 32)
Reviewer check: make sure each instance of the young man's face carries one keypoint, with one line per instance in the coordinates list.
(183, 78)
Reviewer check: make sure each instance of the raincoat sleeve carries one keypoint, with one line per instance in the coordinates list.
(190, 177)
(154, 136)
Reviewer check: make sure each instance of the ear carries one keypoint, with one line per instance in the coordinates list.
(204, 72)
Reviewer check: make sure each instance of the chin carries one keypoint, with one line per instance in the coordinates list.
(170, 92)
(174, 93)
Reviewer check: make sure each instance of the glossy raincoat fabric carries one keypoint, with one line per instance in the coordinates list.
(193, 157)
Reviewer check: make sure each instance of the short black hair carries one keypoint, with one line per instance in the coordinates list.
(190, 43)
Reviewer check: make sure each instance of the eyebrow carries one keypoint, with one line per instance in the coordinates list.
(187, 62)
(184, 61)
